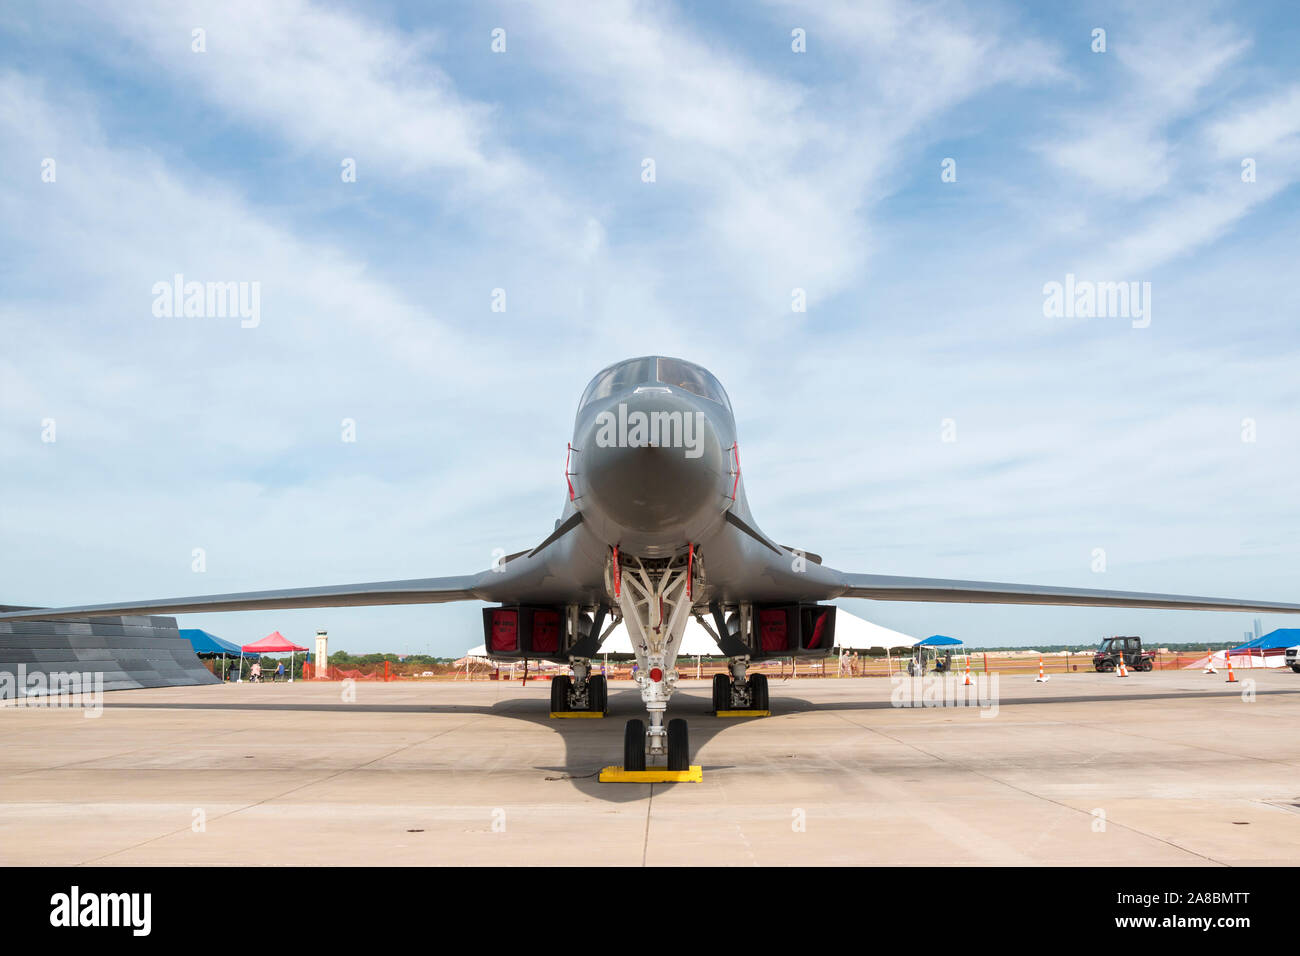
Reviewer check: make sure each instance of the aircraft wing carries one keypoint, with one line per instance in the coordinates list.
(417, 591)
(881, 587)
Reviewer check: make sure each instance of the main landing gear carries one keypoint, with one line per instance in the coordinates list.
(583, 691)
(739, 690)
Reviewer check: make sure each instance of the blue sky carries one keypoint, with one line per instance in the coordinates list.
(775, 170)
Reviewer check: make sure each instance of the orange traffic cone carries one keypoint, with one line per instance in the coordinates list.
(1232, 678)
(1209, 662)
(967, 684)
(1041, 678)
(1123, 668)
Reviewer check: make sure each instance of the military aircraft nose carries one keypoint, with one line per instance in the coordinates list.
(653, 463)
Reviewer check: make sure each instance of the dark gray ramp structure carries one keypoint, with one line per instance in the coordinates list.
(126, 653)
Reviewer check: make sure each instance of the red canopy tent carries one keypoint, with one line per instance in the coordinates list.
(273, 643)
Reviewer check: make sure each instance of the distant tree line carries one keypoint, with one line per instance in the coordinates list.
(352, 662)
(1149, 644)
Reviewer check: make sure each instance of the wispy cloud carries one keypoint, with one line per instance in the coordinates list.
(324, 78)
(781, 170)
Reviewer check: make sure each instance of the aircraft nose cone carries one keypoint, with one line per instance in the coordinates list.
(653, 463)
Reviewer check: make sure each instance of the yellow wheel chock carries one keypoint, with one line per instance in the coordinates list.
(653, 775)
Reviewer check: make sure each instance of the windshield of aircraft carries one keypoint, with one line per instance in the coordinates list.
(652, 371)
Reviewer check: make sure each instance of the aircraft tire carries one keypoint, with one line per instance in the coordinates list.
(721, 692)
(758, 696)
(634, 745)
(679, 747)
(560, 693)
(598, 694)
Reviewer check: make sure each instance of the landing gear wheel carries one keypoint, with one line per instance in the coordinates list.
(721, 692)
(598, 694)
(758, 699)
(679, 748)
(560, 693)
(634, 745)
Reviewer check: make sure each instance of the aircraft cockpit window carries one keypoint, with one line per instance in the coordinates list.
(692, 378)
(619, 378)
(650, 371)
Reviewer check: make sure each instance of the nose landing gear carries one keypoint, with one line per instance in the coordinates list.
(678, 745)
(653, 596)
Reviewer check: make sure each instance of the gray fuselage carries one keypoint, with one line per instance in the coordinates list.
(654, 468)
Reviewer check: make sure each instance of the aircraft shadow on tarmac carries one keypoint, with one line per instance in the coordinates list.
(590, 745)
(593, 744)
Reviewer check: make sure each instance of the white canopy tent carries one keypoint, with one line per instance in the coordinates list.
(853, 633)
(696, 642)
(856, 634)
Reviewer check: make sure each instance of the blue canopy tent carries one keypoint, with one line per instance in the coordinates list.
(1283, 637)
(932, 643)
(205, 642)
(1271, 647)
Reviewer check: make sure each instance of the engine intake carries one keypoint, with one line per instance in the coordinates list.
(518, 631)
(790, 630)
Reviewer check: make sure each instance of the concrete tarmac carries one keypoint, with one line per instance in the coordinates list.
(1087, 769)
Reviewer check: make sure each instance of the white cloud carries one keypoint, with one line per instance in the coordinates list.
(782, 176)
(1122, 144)
(324, 79)
(1267, 128)
(1180, 226)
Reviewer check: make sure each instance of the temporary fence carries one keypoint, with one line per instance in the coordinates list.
(389, 671)
(375, 672)
(848, 665)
